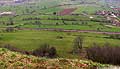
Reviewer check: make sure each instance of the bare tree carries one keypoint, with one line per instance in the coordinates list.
(78, 44)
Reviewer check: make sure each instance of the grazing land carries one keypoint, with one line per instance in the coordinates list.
(68, 29)
(30, 40)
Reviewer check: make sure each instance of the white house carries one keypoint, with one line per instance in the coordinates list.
(7, 13)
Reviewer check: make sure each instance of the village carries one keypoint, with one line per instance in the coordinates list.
(111, 16)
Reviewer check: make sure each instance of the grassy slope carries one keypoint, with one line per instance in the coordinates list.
(38, 7)
(14, 60)
(88, 9)
(91, 25)
(30, 40)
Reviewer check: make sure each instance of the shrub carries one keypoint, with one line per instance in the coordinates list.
(59, 37)
(104, 54)
(9, 29)
(12, 48)
(52, 52)
(45, 51)
(42, 50)
(114, 36)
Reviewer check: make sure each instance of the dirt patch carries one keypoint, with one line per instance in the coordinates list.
(67, 11)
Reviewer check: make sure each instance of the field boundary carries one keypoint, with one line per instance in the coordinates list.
(65, 30)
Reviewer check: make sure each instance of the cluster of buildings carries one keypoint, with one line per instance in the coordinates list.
(112, 17)
(114, 21)
(106, 13)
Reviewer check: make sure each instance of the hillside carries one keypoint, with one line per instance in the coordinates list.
(14, 60)
(47, 6)
(76, 34)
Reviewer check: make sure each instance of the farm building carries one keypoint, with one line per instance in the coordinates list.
(7, 13)
(114, 21)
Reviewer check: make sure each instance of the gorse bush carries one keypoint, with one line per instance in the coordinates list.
(104, 54)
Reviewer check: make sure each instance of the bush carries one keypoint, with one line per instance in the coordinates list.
(45, 51)
(9, 29)
(42, 50)
(12, 48)
(59, 37)
(114, 36)
(105, 54)
(52, 52)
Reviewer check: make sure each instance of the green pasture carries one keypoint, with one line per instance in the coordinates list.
(90, 9)
(30, 40)
(63, 22)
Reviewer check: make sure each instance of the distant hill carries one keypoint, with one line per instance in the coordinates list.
(62, 1)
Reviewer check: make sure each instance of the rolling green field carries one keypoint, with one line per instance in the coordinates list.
(51, 6)
(98, 23)
(37, 10)
(37, 7)
(30, 40)
(88, 9)
(69, 27)
(40, 15)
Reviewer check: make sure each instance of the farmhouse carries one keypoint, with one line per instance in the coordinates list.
(7, 13)
(114, 21)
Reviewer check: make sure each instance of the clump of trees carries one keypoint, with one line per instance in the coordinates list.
(104, 54)
(38, 23)
(45, 51)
